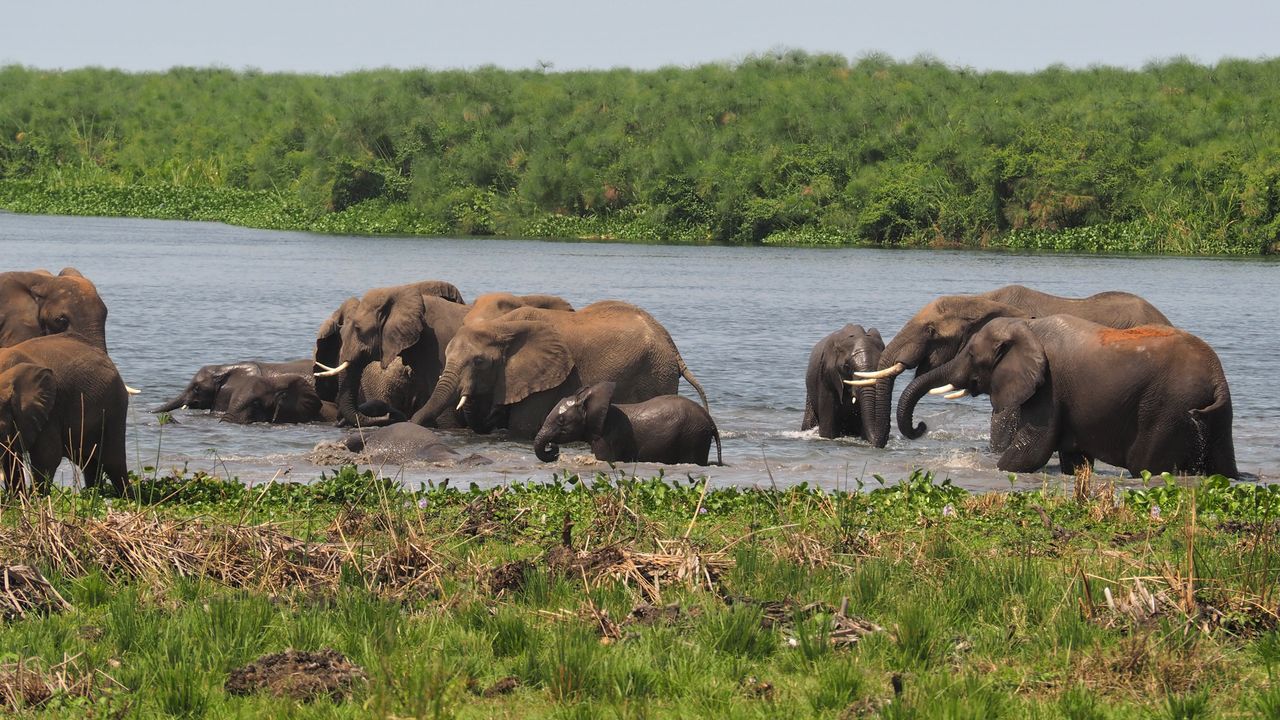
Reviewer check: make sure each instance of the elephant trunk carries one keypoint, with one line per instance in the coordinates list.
(867, 409)
(173, 404)
(545, 447)
(444, 389)
(907, 403)
(348, 390)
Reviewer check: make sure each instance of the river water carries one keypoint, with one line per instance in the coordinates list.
(185, 294)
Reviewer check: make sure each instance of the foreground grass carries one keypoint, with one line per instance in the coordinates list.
(624, 597)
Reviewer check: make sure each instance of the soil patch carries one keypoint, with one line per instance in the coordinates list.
(298, 675)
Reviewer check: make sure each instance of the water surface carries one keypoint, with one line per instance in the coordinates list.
(184, 294)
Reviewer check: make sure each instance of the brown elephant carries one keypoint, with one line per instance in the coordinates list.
(1146, 398)
(831, 404)
(33, 304)
(62, 397)
(407, 322)
(413, 323)
(938, 331)
(511, 370)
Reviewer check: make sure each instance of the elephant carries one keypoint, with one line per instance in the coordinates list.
(37, 303)
(937, 332)
(1146, 398)
(665, 429)
(511, 370)
(213, 386)
(832, 405)
(399, 443)
(412, 322)
(290, 399)
(61, 396)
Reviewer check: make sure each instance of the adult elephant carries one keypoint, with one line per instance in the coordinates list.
(1146, 398)
(37, 303)
(61, 396)
(832, 405)
(413, 323)
(937, 332)
(212, 387)
(513, 369)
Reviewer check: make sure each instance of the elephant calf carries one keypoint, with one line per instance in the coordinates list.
(61, 397)
(664, 429)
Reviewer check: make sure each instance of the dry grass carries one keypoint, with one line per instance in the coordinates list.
(27, 684)
(24, 590)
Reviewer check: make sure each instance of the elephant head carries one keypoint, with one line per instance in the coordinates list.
(27, 395)
(382, 325)
(580, 416)
(496, 363)
(1005, 360)
(276, 399)
(829, 398)
(39, 303)
(927, 341)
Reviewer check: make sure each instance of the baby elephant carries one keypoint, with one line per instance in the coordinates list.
(664, 429)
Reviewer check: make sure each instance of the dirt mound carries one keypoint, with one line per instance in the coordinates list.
(298, 675)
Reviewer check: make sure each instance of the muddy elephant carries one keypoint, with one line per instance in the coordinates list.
(1146, 398)
(33, 304)
(61, 396)
(831, 404)
(212, 387)
(937, 332)
(411, 323)
(666, 429)
(510, 371)
(399, 443)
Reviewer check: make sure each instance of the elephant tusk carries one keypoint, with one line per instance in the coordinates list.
(896, 369)
(860, 383)
(131, 390)
(461, 402)
(956, 395)
(332, 371)
(942, 390)
(324, 367)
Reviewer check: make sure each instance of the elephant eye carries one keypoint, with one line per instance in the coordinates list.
(60, 323)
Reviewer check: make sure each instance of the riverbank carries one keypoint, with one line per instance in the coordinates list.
(632, 597)
(780, 148)
(271, 211)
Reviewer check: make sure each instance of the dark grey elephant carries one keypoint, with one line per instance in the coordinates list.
(831, 404)
(1146, 398)
(398, 444)
(212, 387)
(937, 332)
(61, 397)
(665, 429)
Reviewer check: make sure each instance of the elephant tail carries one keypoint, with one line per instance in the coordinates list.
(688, 375)
(1218, 453)
(715, 433)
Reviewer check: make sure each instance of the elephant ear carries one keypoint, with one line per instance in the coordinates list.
(403, 317)
(537, 359)
(440, 289)
(30, 391)
(595, 403)
(328, 339)
(1020, 366)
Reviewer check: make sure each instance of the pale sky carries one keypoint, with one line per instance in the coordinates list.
(333, 37)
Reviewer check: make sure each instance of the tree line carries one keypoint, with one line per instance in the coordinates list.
(785, 147)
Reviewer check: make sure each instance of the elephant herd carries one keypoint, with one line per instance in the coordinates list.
(1101, 378)
(1105, 378)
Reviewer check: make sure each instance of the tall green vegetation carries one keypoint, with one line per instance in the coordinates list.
(781, 148)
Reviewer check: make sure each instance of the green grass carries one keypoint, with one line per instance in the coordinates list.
(986, 610)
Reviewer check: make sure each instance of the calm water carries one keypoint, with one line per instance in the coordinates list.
(183, 294)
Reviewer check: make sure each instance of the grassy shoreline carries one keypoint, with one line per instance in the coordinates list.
(644, 597)
(269, 211)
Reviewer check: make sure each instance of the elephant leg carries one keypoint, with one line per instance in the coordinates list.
(1072, 461)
